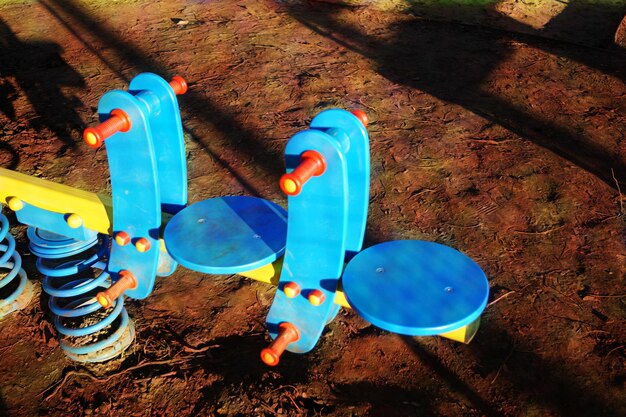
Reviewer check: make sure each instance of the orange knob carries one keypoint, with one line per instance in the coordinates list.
(179, 85)
(126, 281)
(312, 164)
(360, 114)
(316, 297)
(291, 289)
(142, 244)
(287, 333)
(122, 238)
(118, 122)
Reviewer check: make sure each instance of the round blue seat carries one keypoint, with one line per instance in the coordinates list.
(227, 235)
(415, 288)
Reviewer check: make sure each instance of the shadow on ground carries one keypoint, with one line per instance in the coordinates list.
(452, 62)
(78, 21)
(25, 61)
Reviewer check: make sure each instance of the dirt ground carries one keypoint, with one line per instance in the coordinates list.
(508, 145)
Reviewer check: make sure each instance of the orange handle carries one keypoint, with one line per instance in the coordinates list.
(312, 164)
(118, 122)
(127, 281)
(287, 333)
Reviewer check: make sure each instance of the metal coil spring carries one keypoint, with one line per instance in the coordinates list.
(18, 292)
(88, 332)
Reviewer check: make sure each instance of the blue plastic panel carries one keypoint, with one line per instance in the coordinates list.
(348, 130)
(316, 241)
(167, 134)
(50, 245)
(136, 198)
(227, 235)
(50, 221)
(415, 288)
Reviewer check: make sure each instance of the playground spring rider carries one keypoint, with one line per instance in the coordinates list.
(16, 288)
(144, 137)
(409, 287)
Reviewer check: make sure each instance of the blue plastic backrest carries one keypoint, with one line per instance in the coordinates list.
(167, 136)
(316, 240)
(348, 129)
(135, 188)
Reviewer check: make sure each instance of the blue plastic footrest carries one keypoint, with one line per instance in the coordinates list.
(415, 288)
(227, 235)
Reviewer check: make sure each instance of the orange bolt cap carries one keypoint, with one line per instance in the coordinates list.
(142, 244)
(122, 238)
(291, 289)
(316, 297)
(360, 114)
(269, 357)
(91, 138)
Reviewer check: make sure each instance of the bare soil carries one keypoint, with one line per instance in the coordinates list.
(505, 144)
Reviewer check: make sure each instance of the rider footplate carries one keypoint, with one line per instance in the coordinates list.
(415, 288)
(227, 235)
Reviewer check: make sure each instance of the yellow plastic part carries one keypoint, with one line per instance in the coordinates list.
(74, 221)
(15, 203)
(270, 274)
(463, 334)
(95, 210)
(340, 298)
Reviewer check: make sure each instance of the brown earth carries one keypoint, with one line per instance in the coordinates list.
(505, 144)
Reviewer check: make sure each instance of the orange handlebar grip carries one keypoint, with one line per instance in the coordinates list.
(312, 164)
(179, 85)
(127, 281)
(118, 122)
(362, 116)
(287, 333)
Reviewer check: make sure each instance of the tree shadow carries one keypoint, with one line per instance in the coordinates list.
(519, 369)
(4, 411)
(385, 400)
(587, 23)
(247, 142)
(452, 62)
(27, 62)
(9, 157)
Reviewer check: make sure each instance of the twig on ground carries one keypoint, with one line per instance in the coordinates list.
(619, 191)
(545, 232)
(60, 384)
(503, 363)
(613, 350)
(500, 298)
